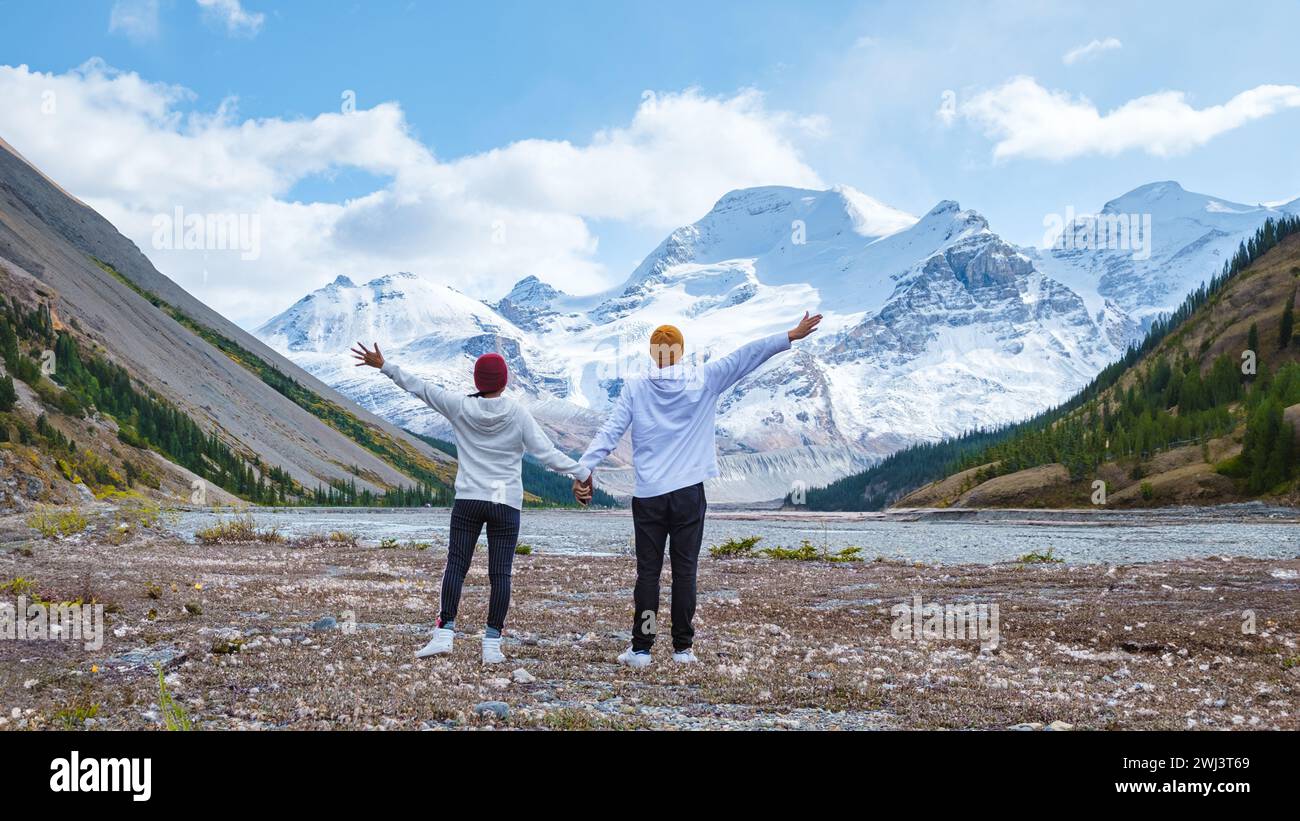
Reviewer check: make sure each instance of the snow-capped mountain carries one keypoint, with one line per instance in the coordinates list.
(1149, 248)
(933, 325)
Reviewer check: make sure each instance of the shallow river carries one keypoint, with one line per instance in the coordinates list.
(994, 537)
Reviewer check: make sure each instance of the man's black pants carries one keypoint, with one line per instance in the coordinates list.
(678, 519)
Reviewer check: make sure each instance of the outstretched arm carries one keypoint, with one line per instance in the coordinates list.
(723, 373)
(606, 439)
(443, 401)
(539, 445)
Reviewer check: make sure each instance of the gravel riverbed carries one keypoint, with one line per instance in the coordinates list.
(309, 633)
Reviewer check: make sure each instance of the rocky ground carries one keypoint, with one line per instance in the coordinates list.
(318, 634)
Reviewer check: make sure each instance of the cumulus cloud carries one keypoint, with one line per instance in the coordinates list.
(1027, 120)
(233, 16)
(136, 19)
(1090, 50)
(478, 222)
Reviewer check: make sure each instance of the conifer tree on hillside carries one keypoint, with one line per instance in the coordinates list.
(1287, 328)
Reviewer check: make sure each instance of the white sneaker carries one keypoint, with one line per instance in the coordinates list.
(492, 651)
(686, 656)
(631, 658)
(438, 645)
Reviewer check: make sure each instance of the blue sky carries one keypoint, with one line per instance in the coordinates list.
(827, 92)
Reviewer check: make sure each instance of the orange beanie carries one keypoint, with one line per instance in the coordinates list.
(666, 345)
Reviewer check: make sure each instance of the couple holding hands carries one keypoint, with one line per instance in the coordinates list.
(671, 410)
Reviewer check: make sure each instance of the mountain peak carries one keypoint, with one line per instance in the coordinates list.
(1159, 189)
(1169, 199)
(388, 279)
(343, 281)
(527, 302)
(944, 207)
(948, 216)
(531, 289)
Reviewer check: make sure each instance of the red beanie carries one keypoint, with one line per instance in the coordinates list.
(490, 373)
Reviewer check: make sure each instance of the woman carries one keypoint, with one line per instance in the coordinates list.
(492, 433)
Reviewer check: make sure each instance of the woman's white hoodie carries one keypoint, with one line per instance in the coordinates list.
(491, 438)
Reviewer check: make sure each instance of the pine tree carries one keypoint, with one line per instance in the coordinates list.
(1287, 328)
(8, 396)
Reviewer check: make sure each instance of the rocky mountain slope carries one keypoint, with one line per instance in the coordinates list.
(103, 294)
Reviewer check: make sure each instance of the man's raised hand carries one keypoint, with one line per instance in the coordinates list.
(806, 326)
(374, 358)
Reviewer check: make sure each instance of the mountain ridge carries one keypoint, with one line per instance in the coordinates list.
(917, 307)
(1204, 411)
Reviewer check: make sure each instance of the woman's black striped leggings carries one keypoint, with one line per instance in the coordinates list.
(467, 519)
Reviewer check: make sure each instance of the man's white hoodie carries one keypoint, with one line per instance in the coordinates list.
(672, 412)
(491, 438)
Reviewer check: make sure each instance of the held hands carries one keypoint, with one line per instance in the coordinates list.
(374, 358)
(582, 491)
(805, 327)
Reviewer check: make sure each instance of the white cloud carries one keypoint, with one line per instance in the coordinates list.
(137, 19)
(678, 155)
(1090, 50)
(440, 218)
(947, 112)
(1027, 120)
(233, 16)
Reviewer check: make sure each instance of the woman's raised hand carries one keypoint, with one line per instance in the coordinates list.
(374, 358)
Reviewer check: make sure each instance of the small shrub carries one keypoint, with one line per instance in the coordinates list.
(18, 586)
(734, 548)
(807, 552)
(1034, 557)
(388, 544)
(1148, 492)
(848, 554)
(73, 717)
(54, 522)
(523, 549)
(239, 530)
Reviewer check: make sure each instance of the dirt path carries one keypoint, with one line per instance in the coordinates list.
(782, 644)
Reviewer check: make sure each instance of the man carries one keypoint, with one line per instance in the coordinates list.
(672, 413)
